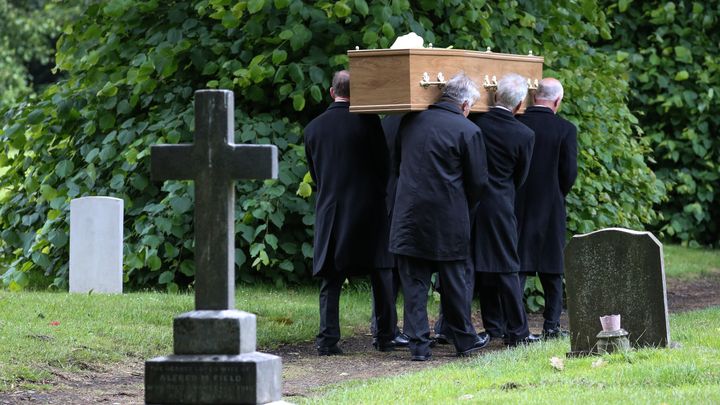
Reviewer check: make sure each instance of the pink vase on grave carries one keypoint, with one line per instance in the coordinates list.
(610, 323)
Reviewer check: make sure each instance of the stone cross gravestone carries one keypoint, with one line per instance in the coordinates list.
(96, 245)
(214, 357)
(616, 271)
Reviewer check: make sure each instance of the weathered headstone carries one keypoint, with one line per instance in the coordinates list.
(616, 271)
(96, 245)
(214, 358)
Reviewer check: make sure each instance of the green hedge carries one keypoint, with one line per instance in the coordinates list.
(673, 50)
(133, 66)
(27, 31)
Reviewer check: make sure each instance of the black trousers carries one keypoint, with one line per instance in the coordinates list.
(416, 274)
(552, 284)
(441, 327)
(501, 305)
(330, 288)
(393, 280)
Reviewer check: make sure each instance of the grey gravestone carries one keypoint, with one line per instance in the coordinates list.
(616, 271)
(214, 360)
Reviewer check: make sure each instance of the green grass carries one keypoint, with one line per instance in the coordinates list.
(104, 329)
(683, 262)
(100, 330)
(690, 374)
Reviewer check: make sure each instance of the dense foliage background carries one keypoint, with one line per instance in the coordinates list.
(673, 52)
(132, 67)
(28, 31)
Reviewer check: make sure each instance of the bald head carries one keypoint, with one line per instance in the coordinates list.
(549, 93)
(340, 85)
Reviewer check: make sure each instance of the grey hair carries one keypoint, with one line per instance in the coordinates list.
(549, 90)
(511, 90)
(461, 88)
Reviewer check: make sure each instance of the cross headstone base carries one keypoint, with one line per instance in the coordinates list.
(214, 332)
(249, 378)
(215, 362)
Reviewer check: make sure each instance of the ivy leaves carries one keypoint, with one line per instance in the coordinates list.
(26, 33)
(133, 67)
(671, 50)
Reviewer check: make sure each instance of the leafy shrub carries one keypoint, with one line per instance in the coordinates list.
(672, 49)
(28, 29)
(133, 66)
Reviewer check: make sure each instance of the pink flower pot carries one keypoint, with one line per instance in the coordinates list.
(610, 322)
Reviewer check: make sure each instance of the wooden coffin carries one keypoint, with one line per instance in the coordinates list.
(401, 80)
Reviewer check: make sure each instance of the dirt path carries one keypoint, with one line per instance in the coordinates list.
(303, 371)
(697, 293)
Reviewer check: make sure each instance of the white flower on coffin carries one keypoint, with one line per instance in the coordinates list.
(408, 41)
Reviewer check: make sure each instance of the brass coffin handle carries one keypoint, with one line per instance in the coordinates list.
(425, 82)
(490, 84)
(533, 85)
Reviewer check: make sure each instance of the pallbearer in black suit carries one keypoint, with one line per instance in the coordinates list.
(348, 161)
(391, 127)
(509, 146)
(442, 171)
(540, 203)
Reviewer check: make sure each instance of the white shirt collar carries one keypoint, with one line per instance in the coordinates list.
(500, 106)
(543, 106)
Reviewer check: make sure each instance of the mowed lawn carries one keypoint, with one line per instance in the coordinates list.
(684, 263)
(40, 331)
(686, 375)
(541, 374)
(44, 331)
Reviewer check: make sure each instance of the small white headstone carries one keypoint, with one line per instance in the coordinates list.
(96, 245)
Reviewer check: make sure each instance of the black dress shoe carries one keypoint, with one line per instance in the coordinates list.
(525, 341)
(401, 340)
(495, 335)
(421, 357)
(384, 346)
(333, 350)
(442, 339)
(488, 336)
(481, 342)
(555, 333)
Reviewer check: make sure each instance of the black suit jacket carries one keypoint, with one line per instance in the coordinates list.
(348, 161)
(509, 146)
(391, 127)
(442, 170)
(540, 203)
